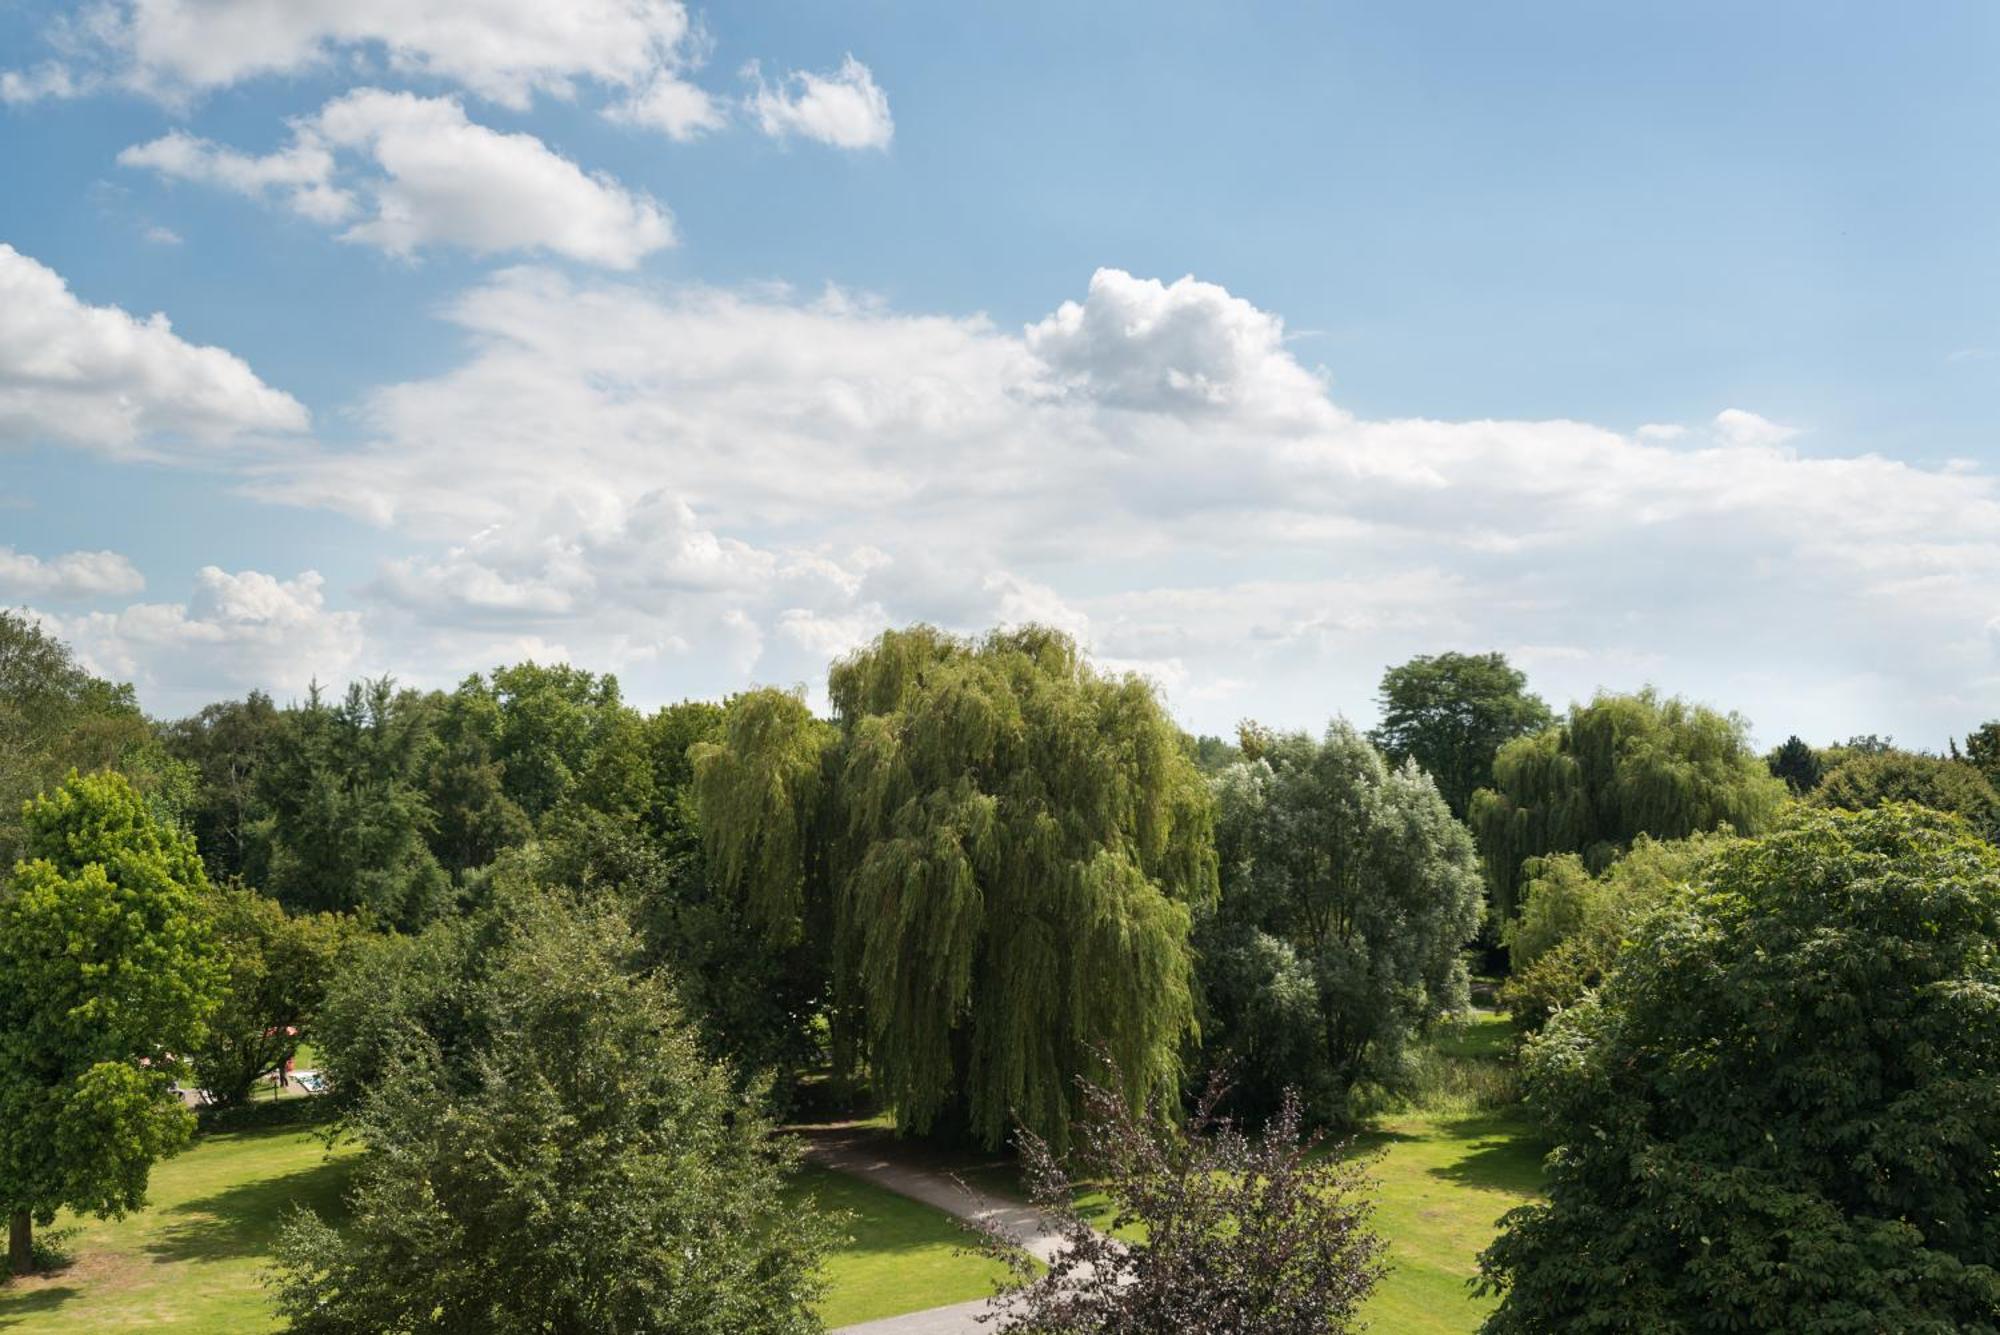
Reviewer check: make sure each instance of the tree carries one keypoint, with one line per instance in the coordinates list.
(1797, 764)
(1872, 779)
(1782, 1110)
(473, 818)
(1982, 751)
(1573, 925)
(569, 1163)
(345, 817)
(1240, 1236)
(56, 717)
(1348, 892)
(1452, 713)
(1006, 844)
(1614, 769)
(277, 967)
(225, 745)
(106, 977)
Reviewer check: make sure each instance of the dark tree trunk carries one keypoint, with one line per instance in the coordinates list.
(21, 1242)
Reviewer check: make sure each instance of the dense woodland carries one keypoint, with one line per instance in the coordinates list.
(566, 964)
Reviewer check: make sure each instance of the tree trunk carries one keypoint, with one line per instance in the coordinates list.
(21, 1242)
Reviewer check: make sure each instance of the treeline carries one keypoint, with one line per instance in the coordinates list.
(990, 871)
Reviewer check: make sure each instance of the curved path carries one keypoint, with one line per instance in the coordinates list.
(876, 1157)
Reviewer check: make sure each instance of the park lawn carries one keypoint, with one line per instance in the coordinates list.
(899, 1255)
(191, 1261)
(1445, 1180)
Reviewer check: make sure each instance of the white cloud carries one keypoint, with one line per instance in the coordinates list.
(507, 51)
(162, 236)
(49, 80)
(72, 575)
(302, 171)
(1179, 347)
(96, 376)
(238, 631)
(671, 104)
(1738, 427)
(1661, 431)
(433, 177)
(845, 108)
(697, 488)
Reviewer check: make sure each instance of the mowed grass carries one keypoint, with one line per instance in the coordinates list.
(193, 1260)
(898, 1256)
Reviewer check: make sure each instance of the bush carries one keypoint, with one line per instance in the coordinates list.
(1240, 1236)
(1782, 1109)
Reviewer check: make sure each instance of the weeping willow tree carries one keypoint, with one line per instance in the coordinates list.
(1007, 844)
(1616, 768)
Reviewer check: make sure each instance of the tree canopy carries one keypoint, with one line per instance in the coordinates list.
(1573, 925)
(1782, 1110)
(1452, 713)
(1007, 845)
(343, 817)
(1614, 769)
(56, 717)
(1348, 892)
(277, 966)
(560, 1158)
(1870, 780)
(107, 977)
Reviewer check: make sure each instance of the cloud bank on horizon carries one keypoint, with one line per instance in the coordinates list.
(699, 485)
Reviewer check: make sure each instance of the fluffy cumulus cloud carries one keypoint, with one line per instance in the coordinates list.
(238, 631)
(698, 487)
(98, 377)
(846, 108)
(429, 177)
(1177, 347)
(72, 575)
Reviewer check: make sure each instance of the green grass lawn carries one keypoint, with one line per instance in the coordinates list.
(899, 1256)
(191, 1261)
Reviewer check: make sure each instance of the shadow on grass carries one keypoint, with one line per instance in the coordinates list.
(243, 1220)
(1504, 1154)
(16, 1307)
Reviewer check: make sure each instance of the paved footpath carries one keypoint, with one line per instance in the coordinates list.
(876, 1157)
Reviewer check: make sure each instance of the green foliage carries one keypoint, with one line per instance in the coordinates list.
(1872, 779)
(567, 1162)
(1348, 892)
(1614, 769)
(997, 845)
(1782, 1109)
(755, 1000)
(106, 972)
(759, 792)
(277, 967)
(1023, 839)
(473, 820)
(1572, 924)
(1452, 713)
(1797, 764)
(55, 717)
(1982, 751)
(343, 814)
(225, 745)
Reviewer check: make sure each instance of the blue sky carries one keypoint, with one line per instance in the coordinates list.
(1645, 343)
